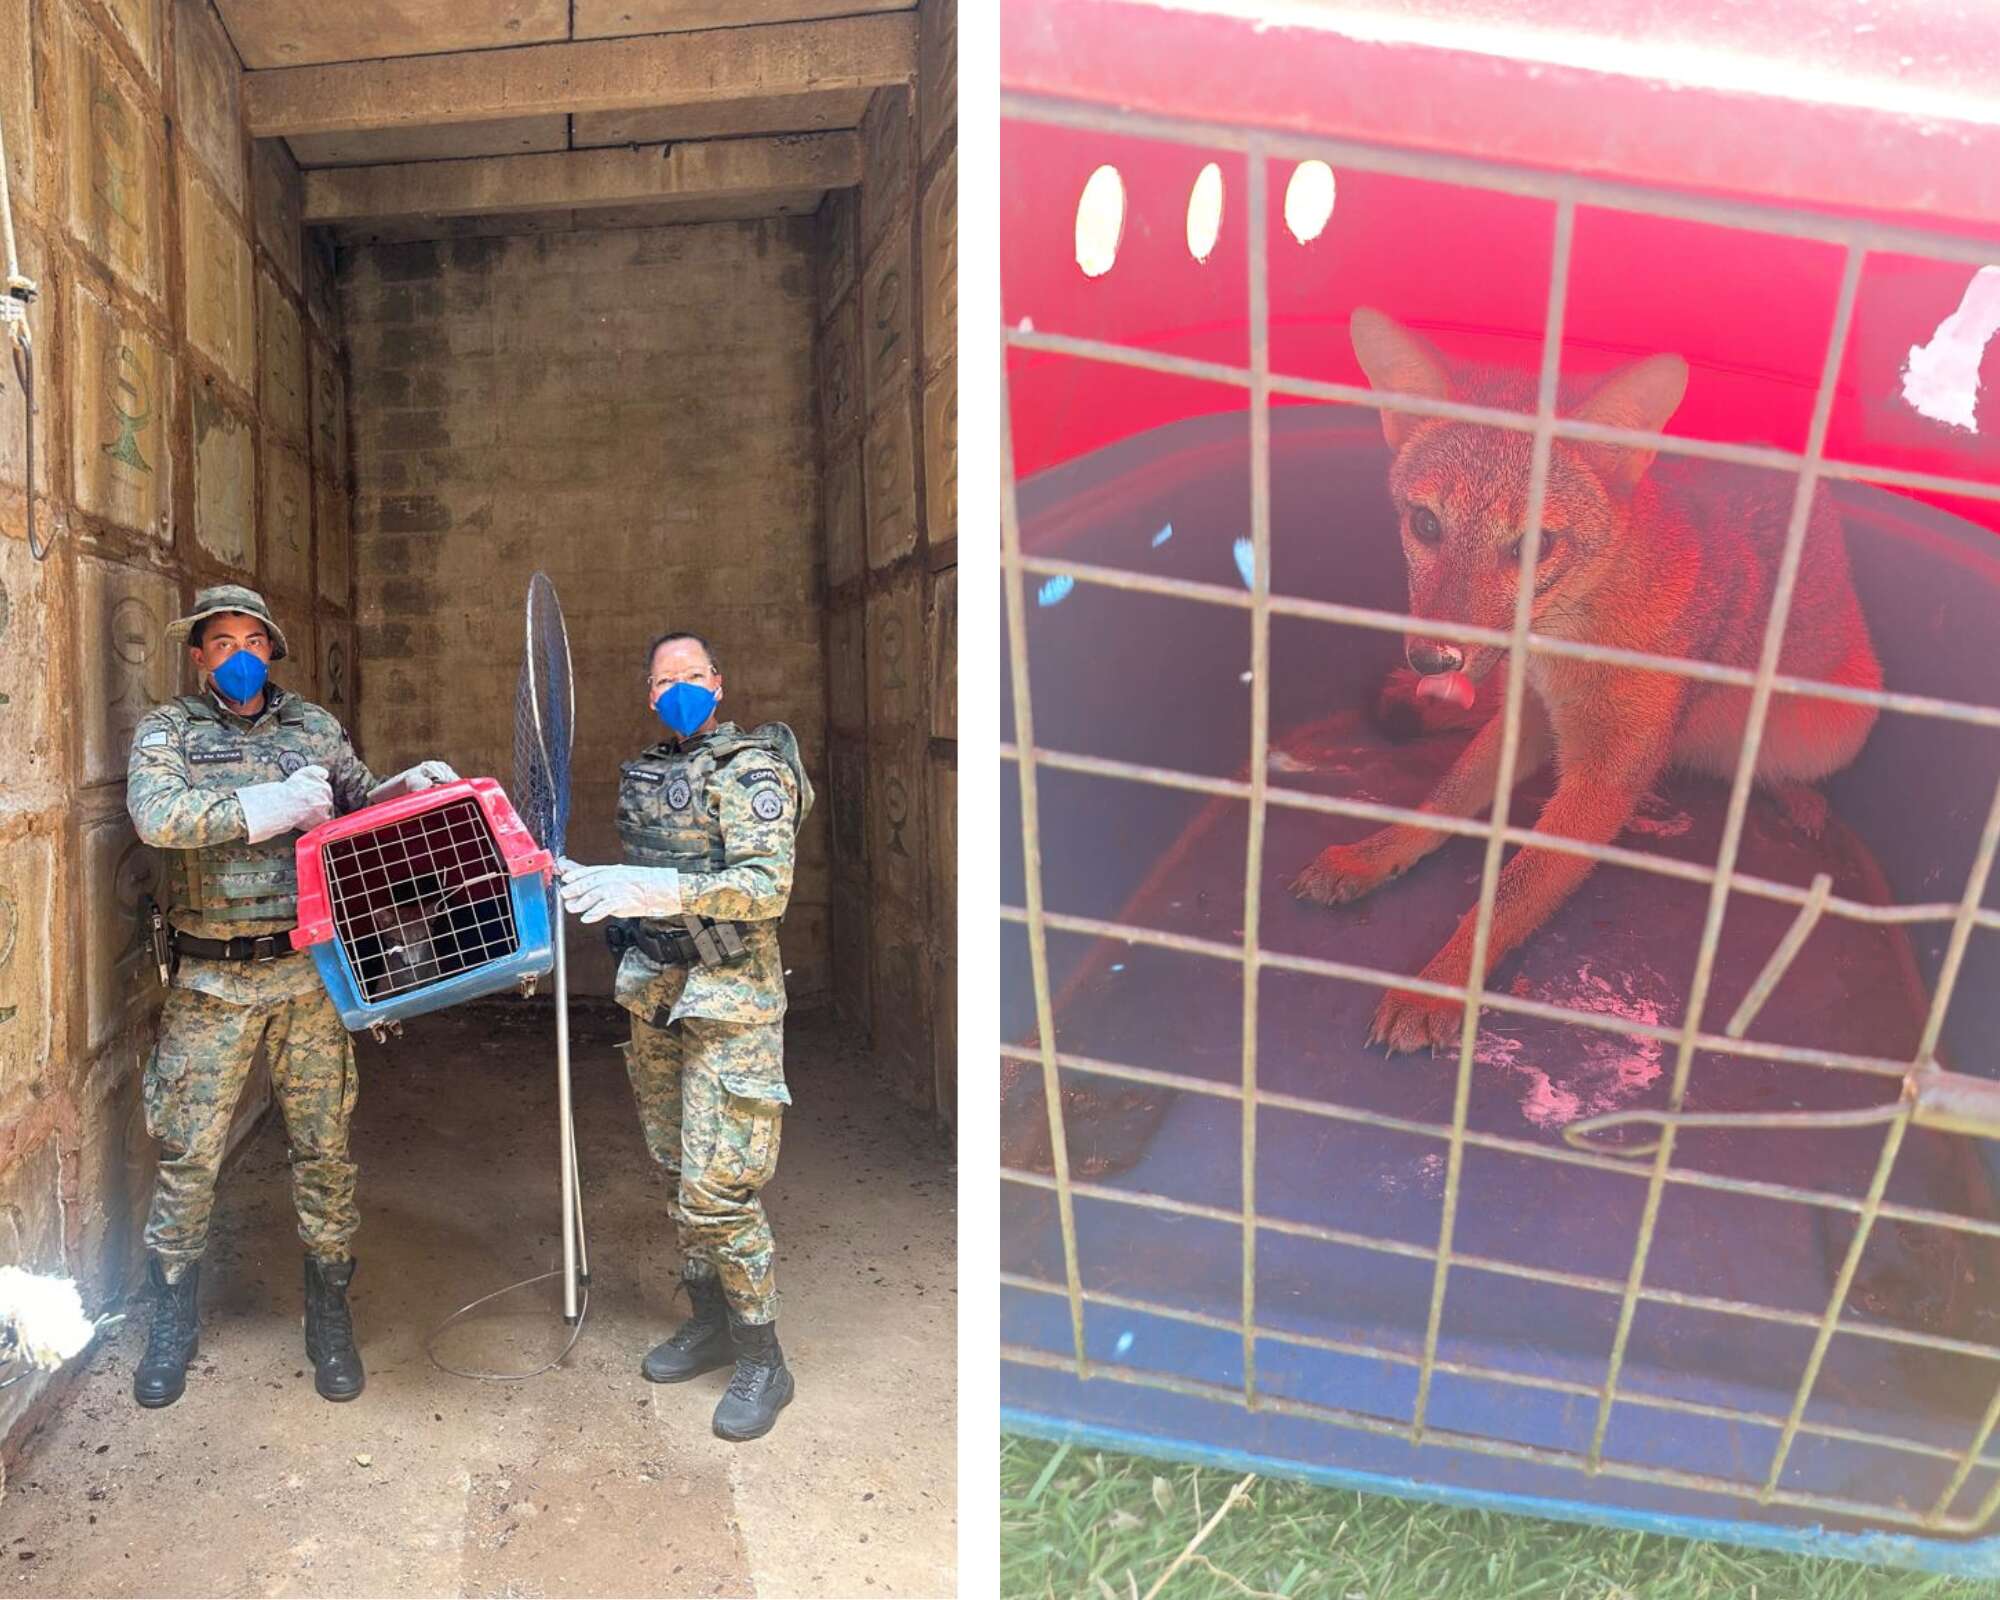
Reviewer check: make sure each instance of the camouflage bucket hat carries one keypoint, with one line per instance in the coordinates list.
(212, 602)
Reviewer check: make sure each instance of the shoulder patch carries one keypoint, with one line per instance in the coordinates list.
(768, 804)
(644, 774)
(155, 739)
(751, 780)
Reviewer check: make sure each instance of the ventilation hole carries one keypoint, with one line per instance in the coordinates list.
(1100, 222)
(1309, 200)
(1204, 222)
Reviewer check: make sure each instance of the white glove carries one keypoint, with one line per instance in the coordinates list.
(595, 893)
(412, 780)
(304, 800)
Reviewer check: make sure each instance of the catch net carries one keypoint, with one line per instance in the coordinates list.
(544, 720)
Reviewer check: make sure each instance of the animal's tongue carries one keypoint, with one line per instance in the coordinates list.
(1454, 687)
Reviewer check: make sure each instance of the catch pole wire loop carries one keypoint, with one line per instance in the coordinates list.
(19, 292)
(544, 724)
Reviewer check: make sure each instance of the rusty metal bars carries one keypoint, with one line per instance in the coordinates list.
(1503, 785)
(1732, 828)
(1024, 722)
(1260, 731)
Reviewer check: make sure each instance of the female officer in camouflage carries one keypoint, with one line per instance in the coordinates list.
(221, 782)
(708, 819)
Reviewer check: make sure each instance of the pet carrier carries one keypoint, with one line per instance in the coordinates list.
(1231, 1231)
(423, 901)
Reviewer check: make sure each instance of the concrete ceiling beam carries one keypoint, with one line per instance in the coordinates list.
(716, 67)
(721, 169)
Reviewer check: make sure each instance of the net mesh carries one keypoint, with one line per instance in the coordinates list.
(544, 720)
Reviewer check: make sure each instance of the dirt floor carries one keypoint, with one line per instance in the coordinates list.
(586, 1480)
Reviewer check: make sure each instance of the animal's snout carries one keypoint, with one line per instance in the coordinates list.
(1430, 656)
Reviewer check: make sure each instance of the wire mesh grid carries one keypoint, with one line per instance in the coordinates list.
(421, 900)
(1765, 1485)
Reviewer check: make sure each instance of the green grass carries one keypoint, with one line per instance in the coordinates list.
(1081, 1524)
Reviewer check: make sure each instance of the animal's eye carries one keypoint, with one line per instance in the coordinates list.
(1512, 555)
(1425, 525)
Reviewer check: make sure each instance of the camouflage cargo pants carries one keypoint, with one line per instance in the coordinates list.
(192, 1085)
(711, 1100)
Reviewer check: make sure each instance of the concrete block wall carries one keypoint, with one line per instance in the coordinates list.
(175, 336)
(888, 380)
(631, 411)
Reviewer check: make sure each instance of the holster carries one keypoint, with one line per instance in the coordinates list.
(697, 942)
(160, 936)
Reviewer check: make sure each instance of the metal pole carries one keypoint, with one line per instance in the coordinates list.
(571, 1216)
(576, 1181)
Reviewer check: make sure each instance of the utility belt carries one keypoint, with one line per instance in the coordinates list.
(170, 944)
(262, 947)
(697, 942)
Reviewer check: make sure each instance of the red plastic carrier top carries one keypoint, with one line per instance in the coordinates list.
(518, 851)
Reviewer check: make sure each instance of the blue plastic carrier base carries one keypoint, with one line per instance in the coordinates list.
(1895, 1459)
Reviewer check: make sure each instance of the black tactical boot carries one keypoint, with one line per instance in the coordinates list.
(330, 1329)
(761, 1388)
(698, 1345)
(162, 1371)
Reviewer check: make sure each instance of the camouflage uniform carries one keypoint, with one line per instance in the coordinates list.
(707, 1053)
(188, 757)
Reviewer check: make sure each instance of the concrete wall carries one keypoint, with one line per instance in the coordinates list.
(631, 411)
(889, 437)
(189, 429)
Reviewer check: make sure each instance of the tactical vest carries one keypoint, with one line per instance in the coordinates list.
(663, 814)
(239, 882)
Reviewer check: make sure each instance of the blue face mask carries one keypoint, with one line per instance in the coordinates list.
(241, 676)
(685, 707)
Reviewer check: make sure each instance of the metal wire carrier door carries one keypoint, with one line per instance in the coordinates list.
(1091, 1346)
(421, 901)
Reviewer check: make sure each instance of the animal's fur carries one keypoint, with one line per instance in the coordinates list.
(1677, 559)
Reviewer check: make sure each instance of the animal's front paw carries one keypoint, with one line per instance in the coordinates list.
(1339, 873)
(1805, 806)
(1406, 1022)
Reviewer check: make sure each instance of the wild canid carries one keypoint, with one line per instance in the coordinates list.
(1674, 560)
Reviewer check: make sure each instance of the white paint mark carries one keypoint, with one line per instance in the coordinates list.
(1309, 200)
(1204, 214)
(1124, 1343)
(1100, 221)
(1610, 1071)
(1159, 539)
(1941, 379)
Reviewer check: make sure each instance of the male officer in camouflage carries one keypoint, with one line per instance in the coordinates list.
(221, 782)
(708, 819)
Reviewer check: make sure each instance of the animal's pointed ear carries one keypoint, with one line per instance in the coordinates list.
(1643, 397)
(1399, 362)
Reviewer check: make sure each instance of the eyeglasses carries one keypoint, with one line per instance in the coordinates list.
(668, 680)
